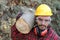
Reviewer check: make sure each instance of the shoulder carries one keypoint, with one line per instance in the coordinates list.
(54, 35)
(14, 30)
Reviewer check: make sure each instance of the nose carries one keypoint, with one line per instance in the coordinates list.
(43, 22)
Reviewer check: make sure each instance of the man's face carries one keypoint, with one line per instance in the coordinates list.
(43, 21)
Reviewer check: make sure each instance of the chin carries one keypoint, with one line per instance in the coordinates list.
(43, 28)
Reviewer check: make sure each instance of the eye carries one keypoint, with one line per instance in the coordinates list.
(47, 20)
(40, 19)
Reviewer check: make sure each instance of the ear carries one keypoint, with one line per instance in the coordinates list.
(35, 21)
(50, 20)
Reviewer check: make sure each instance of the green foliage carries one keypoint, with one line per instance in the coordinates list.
(9, 10)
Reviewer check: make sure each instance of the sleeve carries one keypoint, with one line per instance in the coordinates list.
(55, 35)
(13, 32)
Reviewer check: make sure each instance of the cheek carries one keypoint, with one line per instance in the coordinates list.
(38, 22)
(46, 24)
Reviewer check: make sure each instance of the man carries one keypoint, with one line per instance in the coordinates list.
(42, 30)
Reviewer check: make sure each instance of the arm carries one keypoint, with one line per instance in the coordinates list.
(55, 36)
(13, 32)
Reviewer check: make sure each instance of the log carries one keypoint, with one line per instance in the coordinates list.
(26, 21)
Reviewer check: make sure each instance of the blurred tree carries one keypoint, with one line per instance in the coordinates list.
(9, 10)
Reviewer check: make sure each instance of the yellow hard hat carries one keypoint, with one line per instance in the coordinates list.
(43, 10)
